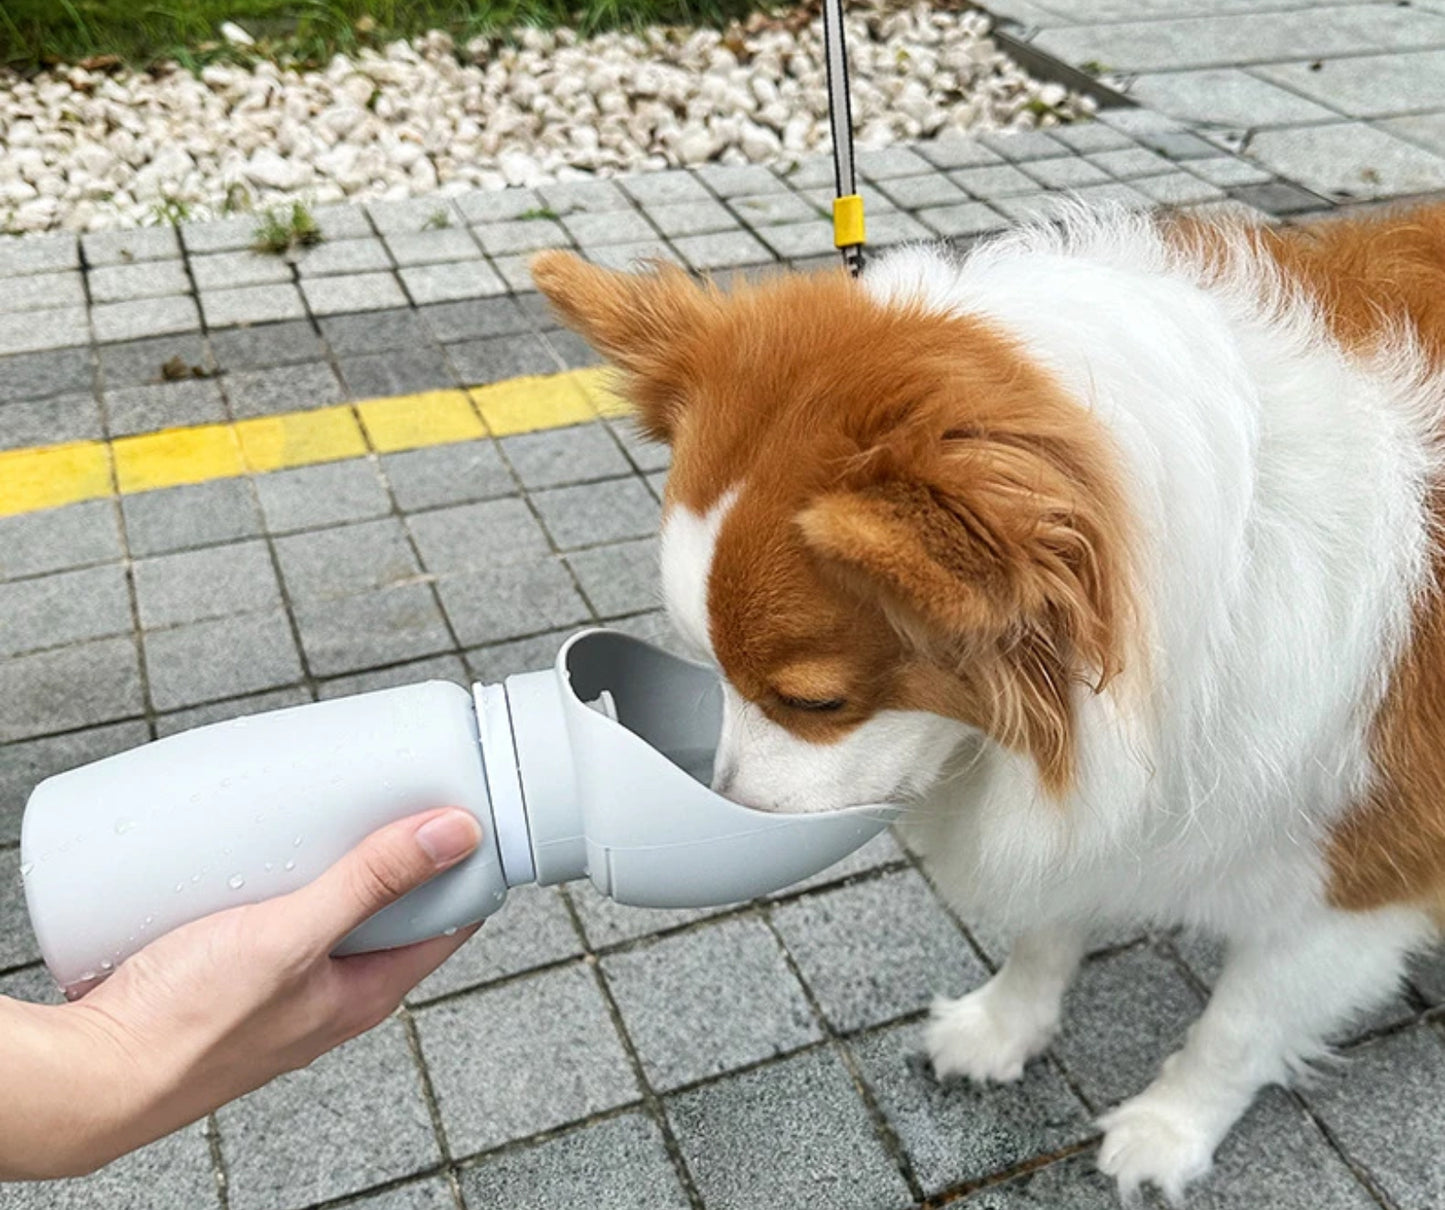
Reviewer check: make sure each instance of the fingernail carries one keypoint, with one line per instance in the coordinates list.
(448, 838)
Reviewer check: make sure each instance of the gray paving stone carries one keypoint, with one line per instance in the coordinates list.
(877, 949)
(430, 668)
(497, 205)
(39, 254)
(1226, 95)
(26, 765)
(1114, 194)
(174, 1172)
(617, 1164)
(991, 181)
(1016, 145)
(481, 317)
(709, 1000)
(229, 270)
(1425, 130)
(494, 664)
(234, 707)
(657, 482)
(353, 292)
(729, 180)
(472, 536)
(51, 421)
(335, 257)
(57, 538)
(141, 362)
(1124, 1016)
(400, 371)
(413, 214)
(396, 329)
(584, 197)
(266, 345)
(1177, 145)
(1279, 198)
(69, 688)
(551, 1057)
(971, 218)
(659, 188)
(619, 579)
(792, 1133)
(1177, 189)
(537, 309)
(551, 457)
(165, 405)
(435, 1193)
(251, 305)
(31, 985)
(532, 930)
(812, 172)
(34, 331)
(17, 941)
(915, 192)
(794, 240)
(958, 1132)
(573, 352)
(1427, 973)
(953, 150)
(1348, 160)
(207, 583)
(521, 235)
(895, 227)
(1130, 163)
(511, 600)
(1088, 136)
(446, 282)
(721, 250)
(631, 258)
(287, 388)
(591, 513)
(127, 247)
(691, 218)
(41, 290)
(769, 209)
(201, 514)
(437, 475)
(346, 634)
(327, 563)
(1226, 171)
(1072, 1184)
(497, 358)
(328, 494)
(281, 1154)
(1367, 86)
(219, 235)
(148, 279)
(515, 271)
(612, 227)
(343, 221)
(1065, 173)
(53, 372)
(206, 661)
(436, 246)
(888, 162)
(1382, 1110)
(646, 454)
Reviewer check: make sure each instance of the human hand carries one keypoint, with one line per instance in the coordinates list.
(217, 1008)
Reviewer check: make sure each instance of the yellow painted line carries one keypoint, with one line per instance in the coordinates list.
(55, 475)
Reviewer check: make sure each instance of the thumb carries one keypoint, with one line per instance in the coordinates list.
(382, 868)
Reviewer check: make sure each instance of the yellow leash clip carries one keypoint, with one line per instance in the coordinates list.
(848, 221)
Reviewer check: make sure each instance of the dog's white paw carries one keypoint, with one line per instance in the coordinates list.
(1153, 1139)
(972, 1037)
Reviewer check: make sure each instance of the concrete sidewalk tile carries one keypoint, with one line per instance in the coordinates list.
(448, 282)
(537, 309)
(128, 246)
(200, 514)
(459, 473)
(346, 634)
(1016, 145)
(1125, 1014)
(266, 345)
(697, 217)
(497, 205)
(721, 250)
(176, 1171)
(251, 305)
(995, 180)
(533, 929)
(281, 1154)
(1367, 86)
(1427, 972)
(612, 227)
(617, 1164)
(31, 985)
(306, 497)
(219, 235)
(1425, 130)
(1113, 194)
(207, 583)
(792, 1133)
(511, 600)
(769, 209)
(226, 657)
(342, 221)
(398, 372)
(709, 1000)
(66, 607)
(957, 1132)
(1279, 198)
(148, 279)
(229, 270)
(1176, 145)
(915, 192)
(1351, 160)
(51, 421)
(1382, 1110)
(144, 317)
(1066, 173)
(166, 405)
(323, 564)
(299, 387)
(1084, 137)
(354, 292)
(1228, 96)
(809, 172)
(660, 188)
(954, 150)
(1132, 162)
(629, 258)
(885, 163)
(413, 215)
(495, 359)
(1177, 189)
(1226, 171)
(434, 1193)
(42, 290)
(35, 331)
(343, 256)
(481, 535)
(655, 628)
(514, 270)
(429, 668)
(494, 664)
(737, 180)
(895, 227)
(875, 201)
(53, 372)
(394, 329)
(58, 538)
(970, 218)
(233, 707)
(433, 247)
(590, 513)
(17, 940)
(521, 235)
(551, 457)
(584, 197)
(649, 455)
(619, 579)
(607, 922)
(551, 1057)
(468, 320)
(39, 254)
(69, 688)
(1033, 207)
(877, 949)
(572, 350)
(139, 362)
(1074, 1183)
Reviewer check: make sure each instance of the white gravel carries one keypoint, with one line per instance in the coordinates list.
(86, 150)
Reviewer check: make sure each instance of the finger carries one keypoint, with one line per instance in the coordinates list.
(384, 977)
(381, 869)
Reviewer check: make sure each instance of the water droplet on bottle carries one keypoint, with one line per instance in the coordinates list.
(107, 965)
(71, 993)
(235, 882)
(269, 867)
(451, 932)
(149, 920)
(290, 865)
(122, 826)
(26, 869)
(225, 782)
(180, 886)
(87, 976)
(195, 800)
(296, 843)
(195, 878)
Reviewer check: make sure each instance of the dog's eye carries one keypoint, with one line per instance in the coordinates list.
(813, 705)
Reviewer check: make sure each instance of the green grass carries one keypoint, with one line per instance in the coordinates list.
(285, 228)
(140, 32)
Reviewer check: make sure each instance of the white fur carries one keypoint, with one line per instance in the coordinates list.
(1279, 488)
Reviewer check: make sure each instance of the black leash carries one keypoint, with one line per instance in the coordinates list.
(848, 229)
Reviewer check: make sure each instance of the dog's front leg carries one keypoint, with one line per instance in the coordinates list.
(991, 1033)
(1278, 1000)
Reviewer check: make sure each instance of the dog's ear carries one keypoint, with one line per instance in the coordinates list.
(640, 322)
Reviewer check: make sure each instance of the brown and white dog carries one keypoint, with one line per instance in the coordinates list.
(1113, 547)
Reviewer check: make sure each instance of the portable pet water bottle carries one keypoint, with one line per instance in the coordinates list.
(597, 767)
